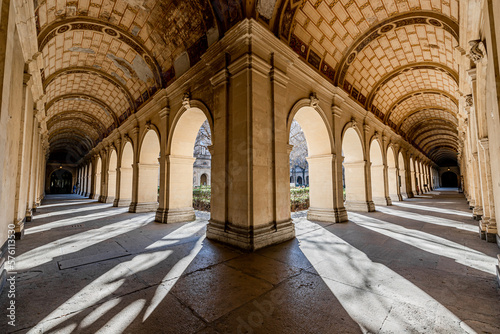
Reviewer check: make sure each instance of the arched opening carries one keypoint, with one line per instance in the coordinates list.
(97, 188)
(61, 181)
(392, 175)
(299, 181)
(354, 173)
(377, 174)
(203, 180)
(312, 151)
(449, 180)
(148, 174)
(113, 161)
(191, 139)
(402, 176)
(126, 176)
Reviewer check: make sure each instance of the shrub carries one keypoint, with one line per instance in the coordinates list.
(201, 198)
(299, 198)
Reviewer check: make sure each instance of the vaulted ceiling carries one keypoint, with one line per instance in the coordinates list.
(103, 59)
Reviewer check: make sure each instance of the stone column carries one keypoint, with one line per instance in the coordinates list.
(250, 151)
(413, 178)
(134, 133)
(477, 212)
(491, 225)
(338, 206)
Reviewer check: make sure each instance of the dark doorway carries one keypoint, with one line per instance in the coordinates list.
(449, 180)
(60, 182)
(203, 180)
(299, 180)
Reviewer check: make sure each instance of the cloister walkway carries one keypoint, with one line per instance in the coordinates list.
(415, 267)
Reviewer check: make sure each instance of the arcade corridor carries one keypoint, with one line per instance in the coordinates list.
(88, 267)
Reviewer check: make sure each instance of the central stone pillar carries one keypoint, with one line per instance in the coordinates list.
(250, 206)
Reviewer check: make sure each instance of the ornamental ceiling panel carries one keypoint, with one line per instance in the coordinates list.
(427, 115)
(77, 124)
(82, 106)
(412, 81)
(331, 26)
(420, 101)
(400, 47)
(432, 134)
(80, 48)
(89, 84)
(164, 28)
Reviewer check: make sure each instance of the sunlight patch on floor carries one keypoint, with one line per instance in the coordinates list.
(72, 211)
(77, 242)
(67, 202)
(377, 298)
(433, 209)
(429, 219)
(101, 289)
(429, 243)
(74, 221)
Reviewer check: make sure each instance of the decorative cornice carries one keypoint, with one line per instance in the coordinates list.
(477, 51)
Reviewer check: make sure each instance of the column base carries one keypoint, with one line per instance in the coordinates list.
(498, 240)
(143, 207)
(477, 216)
(94, 196)
(3, 265)
(108, 199)
(338, 215)
(384, 201)
(491, 237)
(360, 206)
(29, 215)
(482, 234)
(250, 239)
(19, 229)
(411, 194)
(121, 202)
(167, 216)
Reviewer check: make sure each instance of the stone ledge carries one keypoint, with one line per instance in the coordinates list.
(327, 215)
(143, 207)
(359, 206)
(250, 239)
(121, 202)
(167, 216)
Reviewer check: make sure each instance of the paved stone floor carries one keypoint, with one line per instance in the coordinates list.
(414, 267)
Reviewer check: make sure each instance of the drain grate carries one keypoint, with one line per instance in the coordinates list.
(77, 225)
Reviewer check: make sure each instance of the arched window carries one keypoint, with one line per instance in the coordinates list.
(203, 180)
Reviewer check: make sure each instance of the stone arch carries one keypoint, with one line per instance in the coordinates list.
(203, 179)
(377, 173)
(148, 172)
(392, 175)
(112, 166)
(320, 147)
(126, 174)
(180, 160)
(402, 176)
(354, 170)
(60, 181)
